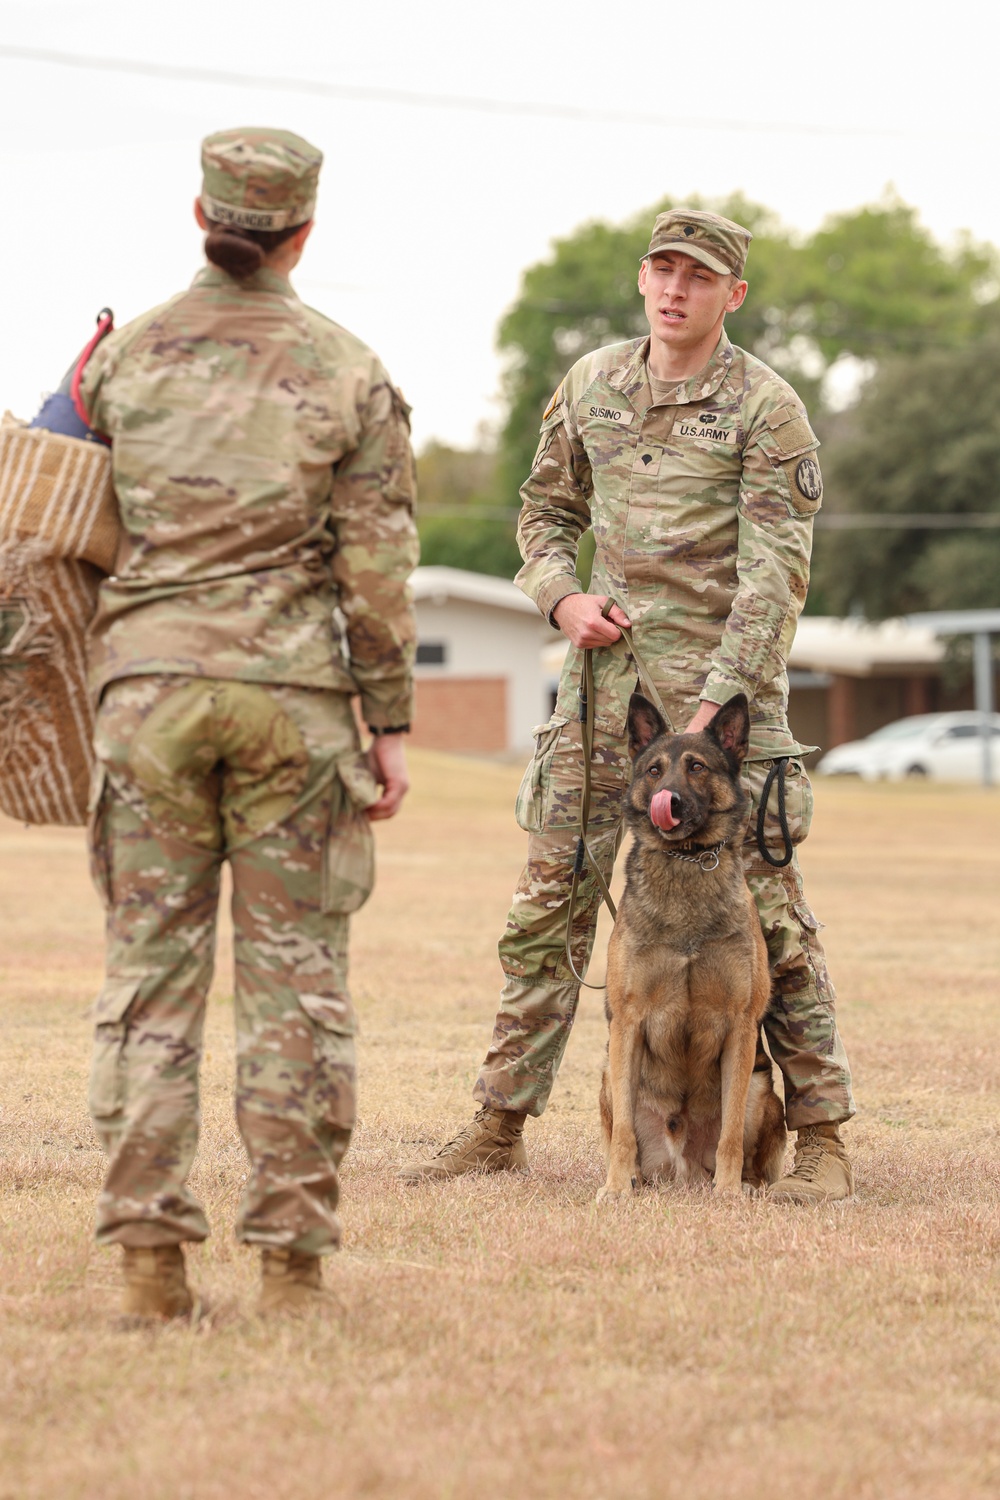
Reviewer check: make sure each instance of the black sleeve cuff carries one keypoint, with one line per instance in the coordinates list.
(389, 729)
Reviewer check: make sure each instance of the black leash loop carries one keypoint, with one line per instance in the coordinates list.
(776, 773)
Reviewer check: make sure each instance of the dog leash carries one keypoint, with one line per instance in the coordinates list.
(587, 714)
(583, 849)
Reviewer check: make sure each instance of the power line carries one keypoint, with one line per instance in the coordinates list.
(825, 520)
(366, 94)
(901, 521)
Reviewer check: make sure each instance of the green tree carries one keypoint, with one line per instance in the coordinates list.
(869, 284)
(460, 520)
(586, 296)
(874, 283)
(924, 440)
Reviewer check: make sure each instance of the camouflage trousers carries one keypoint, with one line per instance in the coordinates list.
(539, 999)
(192, 772)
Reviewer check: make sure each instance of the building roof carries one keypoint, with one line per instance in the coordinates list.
(440, 584)
(959, 621)
(857, 648)
(824, 643)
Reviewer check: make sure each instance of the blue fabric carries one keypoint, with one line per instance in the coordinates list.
(58, 414)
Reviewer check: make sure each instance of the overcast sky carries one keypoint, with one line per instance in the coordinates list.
(429, 213)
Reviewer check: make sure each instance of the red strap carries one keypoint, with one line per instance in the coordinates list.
(105, 323)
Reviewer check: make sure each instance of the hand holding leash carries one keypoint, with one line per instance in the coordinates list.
(590, 620)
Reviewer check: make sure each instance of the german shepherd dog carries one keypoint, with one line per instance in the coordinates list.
(688, 979)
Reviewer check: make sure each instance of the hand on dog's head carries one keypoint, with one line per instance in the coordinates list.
(730, 728)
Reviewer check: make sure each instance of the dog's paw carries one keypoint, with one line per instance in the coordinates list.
(727, 1189)
(609, 1194)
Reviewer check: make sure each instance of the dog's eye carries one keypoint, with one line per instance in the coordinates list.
(653, 771)
(696, 767)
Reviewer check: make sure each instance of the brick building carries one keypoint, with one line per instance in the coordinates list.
(487, 667)
(848, 677)
(479, 681)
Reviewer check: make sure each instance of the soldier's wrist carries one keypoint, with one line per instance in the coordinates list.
(560, 590)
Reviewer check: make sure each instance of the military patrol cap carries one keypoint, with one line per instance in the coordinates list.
(259, 179)
(718, 243)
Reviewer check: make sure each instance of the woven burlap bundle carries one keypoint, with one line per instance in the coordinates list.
(58, 538)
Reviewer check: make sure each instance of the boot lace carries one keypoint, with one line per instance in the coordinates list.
(467, 1135)
(809, 1155)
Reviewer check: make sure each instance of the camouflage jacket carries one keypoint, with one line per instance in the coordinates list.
(702, 511)
(262, 465)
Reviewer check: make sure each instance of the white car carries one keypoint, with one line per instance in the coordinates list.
(948, 747)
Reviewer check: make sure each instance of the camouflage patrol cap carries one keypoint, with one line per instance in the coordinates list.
(259, 179)
(718, 243)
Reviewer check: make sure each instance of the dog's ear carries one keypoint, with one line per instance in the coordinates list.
(731, 727)
(644, 724)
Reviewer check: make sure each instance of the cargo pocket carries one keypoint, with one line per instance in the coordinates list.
(333, 1097)
(610, 769)
(814, 958)
(98, 844)
(529, 808)
(107, 1076)
(806, 917)
(349, 857)
(798, 803)
(333, 1013)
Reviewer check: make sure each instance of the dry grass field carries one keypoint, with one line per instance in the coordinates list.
(506, 1337)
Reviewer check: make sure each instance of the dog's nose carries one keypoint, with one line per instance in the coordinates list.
(675, 807)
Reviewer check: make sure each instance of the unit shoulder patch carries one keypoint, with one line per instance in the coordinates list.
(553, 403)
(809, 479)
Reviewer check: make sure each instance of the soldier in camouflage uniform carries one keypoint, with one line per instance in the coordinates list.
(262, 466)
(694, 465)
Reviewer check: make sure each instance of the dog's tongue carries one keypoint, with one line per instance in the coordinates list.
(659, 811)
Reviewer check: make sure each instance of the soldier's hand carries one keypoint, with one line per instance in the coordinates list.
(579, 617)
(705, 714)
(387, 759)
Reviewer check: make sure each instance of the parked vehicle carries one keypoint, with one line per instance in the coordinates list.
(947, 747)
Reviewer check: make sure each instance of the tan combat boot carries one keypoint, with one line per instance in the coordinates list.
(491, 1142)
(292, 1282)
(821, 1173)
(155, 1283)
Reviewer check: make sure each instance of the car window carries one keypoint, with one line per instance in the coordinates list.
(961, 732)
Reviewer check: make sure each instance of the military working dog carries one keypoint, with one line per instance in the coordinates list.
(687, 1090)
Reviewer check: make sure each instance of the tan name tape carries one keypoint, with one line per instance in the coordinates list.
(252, 218)
(598, 413)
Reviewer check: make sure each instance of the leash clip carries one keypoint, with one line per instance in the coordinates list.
(708, 860)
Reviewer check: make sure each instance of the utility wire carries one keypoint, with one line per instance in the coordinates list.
(900, 521)
(825, 520)
(367, 94)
